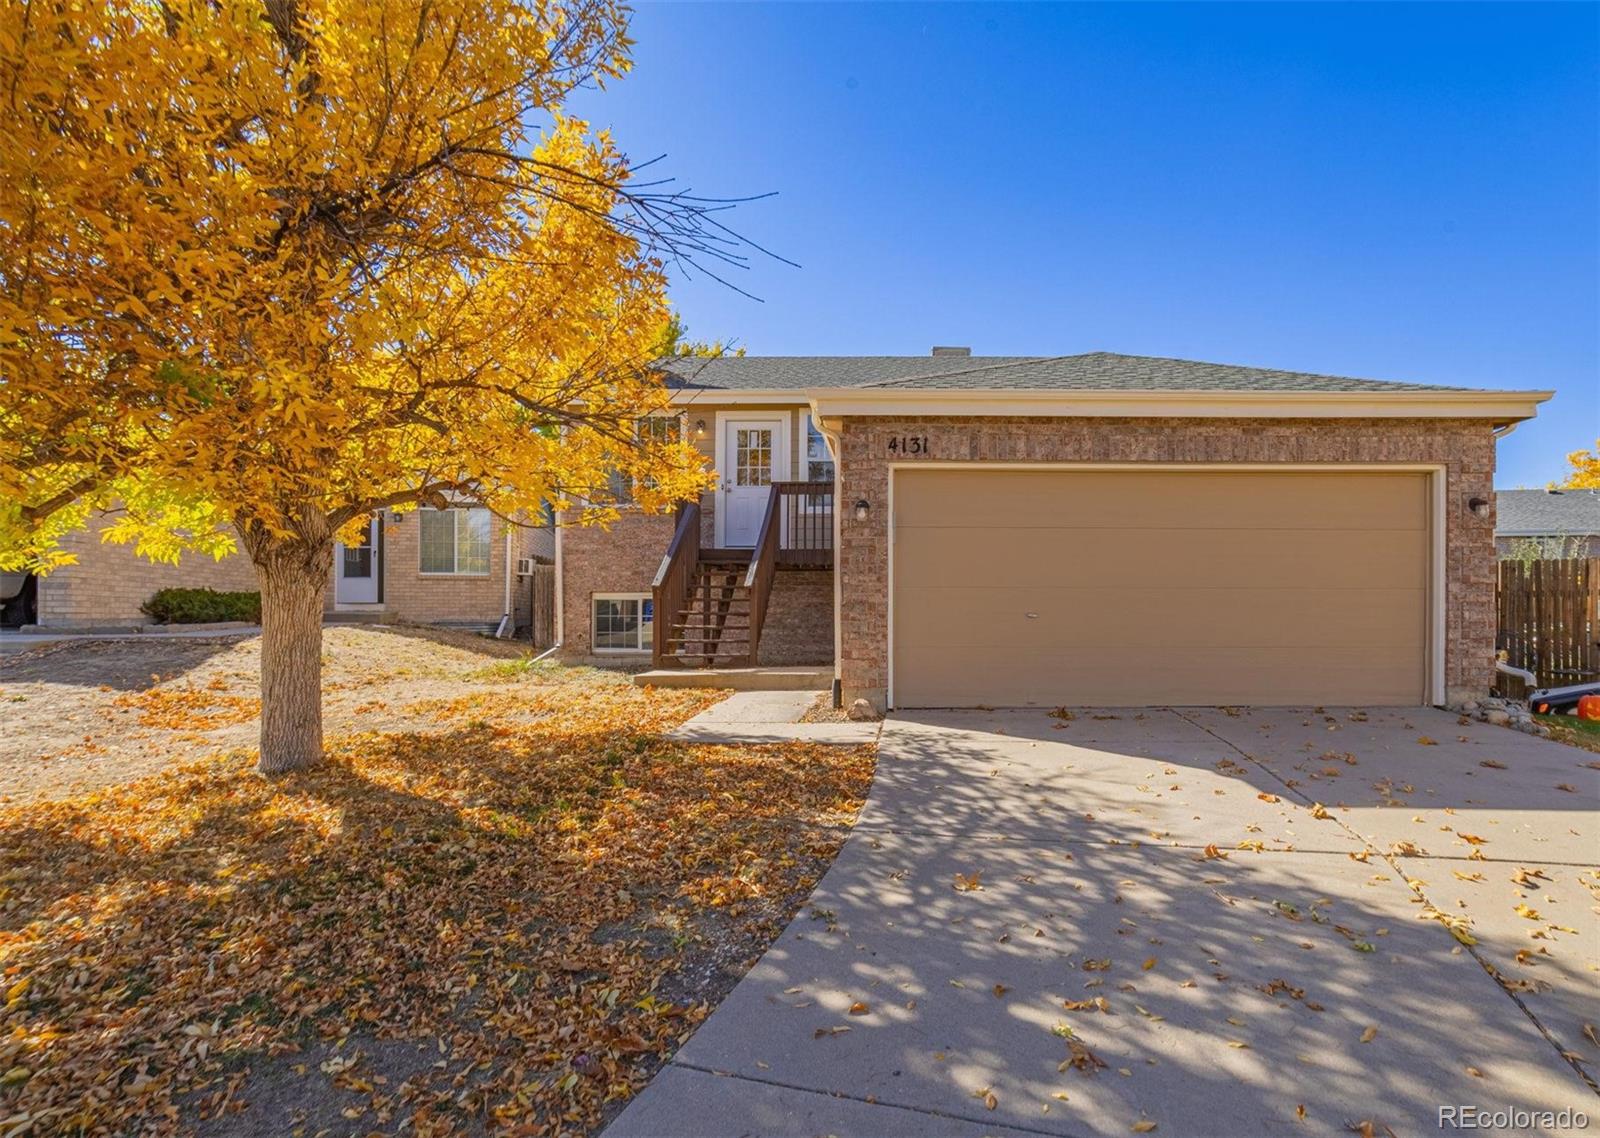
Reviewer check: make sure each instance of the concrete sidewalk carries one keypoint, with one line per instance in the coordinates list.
(1224, 883)
(769, 717)
(11, 641)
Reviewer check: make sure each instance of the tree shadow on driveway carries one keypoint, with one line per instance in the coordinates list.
(1255, 956)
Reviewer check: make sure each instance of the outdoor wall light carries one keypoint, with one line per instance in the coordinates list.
(1478, 506)
(699, 428)
(863, 507)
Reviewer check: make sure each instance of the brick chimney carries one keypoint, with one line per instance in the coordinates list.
(939, 351)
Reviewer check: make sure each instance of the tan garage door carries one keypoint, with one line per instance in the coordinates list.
(1035, 588)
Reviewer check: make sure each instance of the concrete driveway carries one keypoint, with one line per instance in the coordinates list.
(1267, 965)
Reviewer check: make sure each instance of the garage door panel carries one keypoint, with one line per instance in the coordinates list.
(1145, 558)
(1197, 587)
(1190, 677)
(951, 496)
(1087, 619)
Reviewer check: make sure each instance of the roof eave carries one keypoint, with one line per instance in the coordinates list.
(793, 396)
(1500, 407)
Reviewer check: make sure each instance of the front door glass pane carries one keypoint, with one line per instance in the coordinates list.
(753, 456)
(358, 558)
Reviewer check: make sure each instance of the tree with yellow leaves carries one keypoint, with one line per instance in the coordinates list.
(1585, 474)
(270, 266)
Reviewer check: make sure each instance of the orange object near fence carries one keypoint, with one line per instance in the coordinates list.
(1589, 707)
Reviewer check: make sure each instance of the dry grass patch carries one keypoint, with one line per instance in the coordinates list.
(499, 926)
(82, 715)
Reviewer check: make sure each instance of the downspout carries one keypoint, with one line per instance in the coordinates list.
(507, 625)
(1527, 677)
(561, 590)
(832, 438)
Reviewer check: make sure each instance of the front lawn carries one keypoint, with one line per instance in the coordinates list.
(499, 925)
(1570, 729)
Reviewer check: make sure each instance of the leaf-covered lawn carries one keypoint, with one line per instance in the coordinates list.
(1573, 731)
(497, 927)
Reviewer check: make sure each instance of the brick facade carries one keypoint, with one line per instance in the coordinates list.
(625, 557)
(621, 559)
(409, 594)
(1464, 447)
(799, 624)
(108, 583)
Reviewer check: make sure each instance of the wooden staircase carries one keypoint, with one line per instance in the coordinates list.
(710, 604)
(713, 626)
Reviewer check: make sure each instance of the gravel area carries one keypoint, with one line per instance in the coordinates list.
(79, 715)
(823, 711)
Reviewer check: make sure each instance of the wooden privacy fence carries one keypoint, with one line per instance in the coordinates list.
(1549, 618)
(542, 585)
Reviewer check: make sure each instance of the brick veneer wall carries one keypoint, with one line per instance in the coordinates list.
(1464, 447)
(411, 595)
(799, 624)
(622, 559)
(109, 582)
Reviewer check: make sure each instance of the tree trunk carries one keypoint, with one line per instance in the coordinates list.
(294, 576)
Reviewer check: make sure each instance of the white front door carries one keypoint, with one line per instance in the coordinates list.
(356, 570)
(752, 454)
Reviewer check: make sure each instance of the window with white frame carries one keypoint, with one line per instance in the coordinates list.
(819, 463)
(623, 622)
(654, 430)
(454, 541)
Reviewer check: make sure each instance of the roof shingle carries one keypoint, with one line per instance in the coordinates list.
(1546, 513)
(1090, 371)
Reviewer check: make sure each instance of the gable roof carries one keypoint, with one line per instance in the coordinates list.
(1089, 371)
(800, 373)
(1546, 513)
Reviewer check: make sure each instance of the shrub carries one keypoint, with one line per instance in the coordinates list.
(202, 606)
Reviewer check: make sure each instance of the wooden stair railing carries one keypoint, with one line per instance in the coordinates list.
(763, 565)
(710, 605)
(806, 510)
(670, 591)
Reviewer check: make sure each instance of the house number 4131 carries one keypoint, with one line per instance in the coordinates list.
(908, 444)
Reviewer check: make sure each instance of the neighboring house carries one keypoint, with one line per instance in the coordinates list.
(1535, 524)
(450, 567)
(1099, 529)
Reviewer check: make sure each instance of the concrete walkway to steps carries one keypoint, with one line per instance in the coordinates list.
(770, 717)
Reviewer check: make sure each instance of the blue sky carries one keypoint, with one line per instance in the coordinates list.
(1393, 191)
